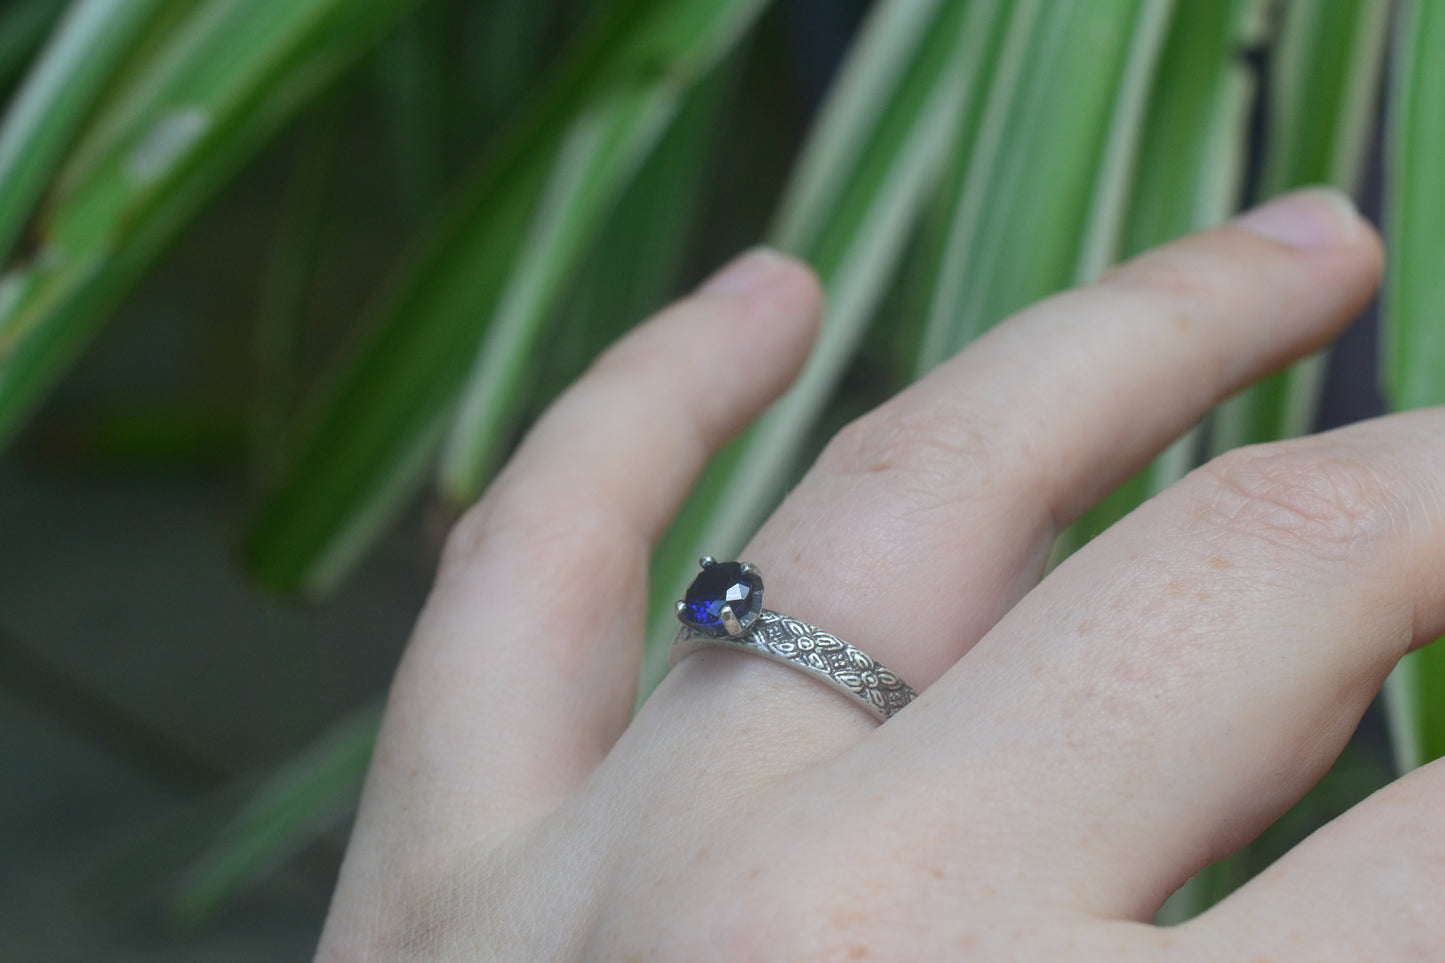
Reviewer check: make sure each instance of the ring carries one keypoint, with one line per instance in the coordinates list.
(723, 608)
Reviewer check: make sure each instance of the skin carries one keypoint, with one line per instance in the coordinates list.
(1082, 745)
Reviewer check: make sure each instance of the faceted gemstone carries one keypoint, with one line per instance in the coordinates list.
(719, 584)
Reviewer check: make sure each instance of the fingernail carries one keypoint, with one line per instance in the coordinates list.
(747, 272)
(1311, 219)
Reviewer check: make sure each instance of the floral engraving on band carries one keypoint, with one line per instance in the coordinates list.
(849, 667)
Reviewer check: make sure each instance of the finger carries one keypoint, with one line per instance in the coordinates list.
(1173, 687)
(1368, 886)
(923, 522)
(523, 668)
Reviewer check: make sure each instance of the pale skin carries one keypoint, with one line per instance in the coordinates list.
(1081, 746)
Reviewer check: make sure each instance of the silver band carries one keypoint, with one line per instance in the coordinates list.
(807, 647)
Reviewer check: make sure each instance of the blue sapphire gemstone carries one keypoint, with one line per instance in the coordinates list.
(720, 584)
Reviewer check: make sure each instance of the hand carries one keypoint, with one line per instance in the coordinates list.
(1081, 746)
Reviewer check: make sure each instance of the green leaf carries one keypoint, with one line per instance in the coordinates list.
(1412, 704)
(952, 223)
(870, 164)
(1044, 201)
(1414, 316)
(49, 108)
(1188, 176)
(1189, 172)
(616, 286)
(23, 27)
(304, 798)
(493, 267)
(601, 152)
(413, 78)
(621, 284)
(506, 45)
(144, 869)
(1323, 85)
(284, 286)
(213, 92)
(1414, 299)
(881, 62)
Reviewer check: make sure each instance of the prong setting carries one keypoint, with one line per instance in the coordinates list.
(723, 601)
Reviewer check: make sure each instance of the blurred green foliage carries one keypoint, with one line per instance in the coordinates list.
(541, 173)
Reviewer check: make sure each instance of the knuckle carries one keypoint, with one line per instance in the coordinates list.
(474, 534)
(465, 538)
(926, 444)
(452, 913)
(1299, 497)
(1171, 285)
(519, 526)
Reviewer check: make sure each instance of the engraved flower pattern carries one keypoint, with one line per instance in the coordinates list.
(851, 668)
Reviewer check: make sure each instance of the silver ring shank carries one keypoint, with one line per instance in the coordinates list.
(807, 647)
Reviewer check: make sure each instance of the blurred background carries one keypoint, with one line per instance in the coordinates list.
(285, 279)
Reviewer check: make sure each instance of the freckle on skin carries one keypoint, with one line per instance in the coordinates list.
(858, 953)
(1180, 587)
(1217, 562)
(702, 854)
(753, 873)
(936, 872)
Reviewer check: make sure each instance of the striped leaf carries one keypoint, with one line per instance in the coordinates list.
(1188, 175)
(86, 47)
(460, 319)
(24, 25)
(310, 794)
(593, 164)
(1324, 81)
(621, 284)
(1047, 185)
(1414, 316)
(211, 91)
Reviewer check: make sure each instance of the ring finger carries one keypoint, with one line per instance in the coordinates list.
(928, 519)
